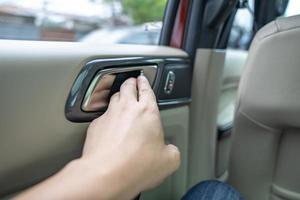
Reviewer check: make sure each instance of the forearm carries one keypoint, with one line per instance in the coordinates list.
(79, 180)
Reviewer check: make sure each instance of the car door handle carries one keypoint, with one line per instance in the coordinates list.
(98, 79)
(108, 81)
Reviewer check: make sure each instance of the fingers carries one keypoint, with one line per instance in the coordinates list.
(128, 90)
(172, 157)
(136, 90)
(145, 92)
(114, 99)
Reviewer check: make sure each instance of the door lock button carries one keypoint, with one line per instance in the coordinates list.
(170, 82)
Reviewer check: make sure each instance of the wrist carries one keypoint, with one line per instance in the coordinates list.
(101, 181)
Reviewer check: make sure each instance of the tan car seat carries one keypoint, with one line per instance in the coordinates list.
(265, 155)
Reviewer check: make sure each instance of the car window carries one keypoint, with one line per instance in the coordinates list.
(293, 8)
(242, 29)
(145, 37)
(95, 21)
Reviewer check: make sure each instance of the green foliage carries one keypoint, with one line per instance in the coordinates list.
(144, 10)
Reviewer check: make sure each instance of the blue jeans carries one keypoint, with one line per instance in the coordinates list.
(212, 190)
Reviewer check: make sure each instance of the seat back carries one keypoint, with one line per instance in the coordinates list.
(265, 154)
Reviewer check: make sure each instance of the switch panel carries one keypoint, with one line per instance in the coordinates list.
(170, 82)
(175, 84)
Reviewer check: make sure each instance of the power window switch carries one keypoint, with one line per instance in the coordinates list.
(170, 82)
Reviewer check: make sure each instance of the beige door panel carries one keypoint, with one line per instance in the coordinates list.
(175, 122)
(36, 139)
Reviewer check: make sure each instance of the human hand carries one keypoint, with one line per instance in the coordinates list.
(124, 152)
(127, 142)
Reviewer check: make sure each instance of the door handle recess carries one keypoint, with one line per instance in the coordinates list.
(100, 89)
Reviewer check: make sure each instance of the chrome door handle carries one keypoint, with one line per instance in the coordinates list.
(97, 95)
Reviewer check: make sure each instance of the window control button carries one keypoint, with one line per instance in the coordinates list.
(170, 82)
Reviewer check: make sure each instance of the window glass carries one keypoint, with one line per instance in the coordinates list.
(242, 31)
(293, 8)
(96, 21)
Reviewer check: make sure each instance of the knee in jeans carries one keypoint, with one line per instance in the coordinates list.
(212, 190)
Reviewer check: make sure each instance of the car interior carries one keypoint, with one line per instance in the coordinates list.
(229, 101)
